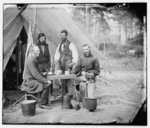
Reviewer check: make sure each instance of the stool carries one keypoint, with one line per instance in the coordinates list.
(26, 95)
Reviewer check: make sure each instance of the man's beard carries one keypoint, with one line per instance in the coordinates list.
(43, 42)
(63, 39)
(87, 54)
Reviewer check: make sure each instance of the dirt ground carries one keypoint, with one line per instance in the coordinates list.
(120, 92)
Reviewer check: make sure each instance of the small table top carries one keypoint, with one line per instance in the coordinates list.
(64, 76)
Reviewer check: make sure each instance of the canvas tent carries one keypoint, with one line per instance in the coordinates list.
(48, 20)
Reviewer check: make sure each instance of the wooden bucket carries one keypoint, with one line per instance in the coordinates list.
(28, 107)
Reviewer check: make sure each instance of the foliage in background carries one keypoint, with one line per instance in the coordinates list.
(115, 28)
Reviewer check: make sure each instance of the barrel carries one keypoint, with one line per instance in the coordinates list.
(87, 90)
(91, 90)
(67, 102)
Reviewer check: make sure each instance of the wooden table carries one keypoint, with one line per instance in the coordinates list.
(59, 77)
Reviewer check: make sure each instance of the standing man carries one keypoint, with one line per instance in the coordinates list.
(66, 56)
(33, 81)
(44, 56)
(87, 68)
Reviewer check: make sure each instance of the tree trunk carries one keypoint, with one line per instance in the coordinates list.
(86, 20)
(125, 28)
(132, 30)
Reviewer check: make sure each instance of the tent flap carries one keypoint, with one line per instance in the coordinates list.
(11, 33)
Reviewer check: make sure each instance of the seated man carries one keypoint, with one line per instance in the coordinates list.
(34, 80)
(87, 69)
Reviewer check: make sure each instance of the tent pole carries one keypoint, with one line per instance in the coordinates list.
(145, 48)
(17, 62)
(34, 19)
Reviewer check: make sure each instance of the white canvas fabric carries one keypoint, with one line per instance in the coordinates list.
(49, 21)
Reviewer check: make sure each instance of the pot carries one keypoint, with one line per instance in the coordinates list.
(28, 107)
(89, 103)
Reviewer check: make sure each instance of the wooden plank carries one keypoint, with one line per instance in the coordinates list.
(58, 77)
